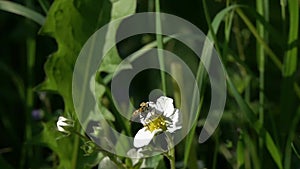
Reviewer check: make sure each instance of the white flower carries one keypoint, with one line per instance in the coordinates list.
(64, 122)
(157, 117)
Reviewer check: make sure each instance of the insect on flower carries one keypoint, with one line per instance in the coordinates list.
(144, 106)
(156, 117)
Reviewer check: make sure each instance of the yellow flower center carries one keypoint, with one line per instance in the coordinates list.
(156, 123)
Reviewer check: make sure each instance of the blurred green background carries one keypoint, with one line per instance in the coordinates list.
(257, 42)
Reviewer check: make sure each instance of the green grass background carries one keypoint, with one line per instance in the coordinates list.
(257, 42)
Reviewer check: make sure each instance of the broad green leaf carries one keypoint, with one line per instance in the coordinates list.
(89, 161)
(109, 63)
(60, 144)
(120, 9)
(70, 23)
(57, 142)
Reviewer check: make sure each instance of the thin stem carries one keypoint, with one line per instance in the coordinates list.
(261, 60)
(295, 150)
(216, 150)
(171, 153)
(200, 77)
(190, 137)
(268, 50)
(27, 152)
(252, 28)
(171, 158)
(261, 67)
(160, 46)
(283, 16)
(289, 146)
(112, 157)
(75, 147)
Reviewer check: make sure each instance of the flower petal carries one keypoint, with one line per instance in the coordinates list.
(63, 122)
(165, 105)
(135, 155)
(176, 121)
(60, 129)
(143, 137)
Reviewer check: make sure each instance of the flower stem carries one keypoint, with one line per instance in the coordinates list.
(75, 150)
(172, 158)
(171, 153)
(112, 157)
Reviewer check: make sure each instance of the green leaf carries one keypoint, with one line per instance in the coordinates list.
(109, 64)
(70, 23)
(51, 138)
(89, 161)
(60, 144)
(152, 162)
(22, 10)
(120, 9)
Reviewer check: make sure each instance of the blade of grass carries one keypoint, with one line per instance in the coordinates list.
(16, 79)
(215, 154)
(160, 46)
(289, 69)
(18, 9)
(252, 28)
(270, 29)
(273, 150)
(295, 150)
(251, 116)
(27, 151)
(291, 135)
(269, 143)
(199, 78)
(290, 61)
(260, 53)
(251, 148)
(283, 15)
(190, 137)
(268, 51)
(227, 30)
(45, 5)
(240, 152)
